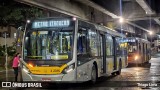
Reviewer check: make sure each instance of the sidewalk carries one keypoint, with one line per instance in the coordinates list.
(9, 75)
(156, 55)
(5, 70)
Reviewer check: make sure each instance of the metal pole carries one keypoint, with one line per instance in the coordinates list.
(6, 57)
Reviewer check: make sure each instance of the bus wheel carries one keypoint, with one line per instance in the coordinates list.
(120, 67)
(93, 75)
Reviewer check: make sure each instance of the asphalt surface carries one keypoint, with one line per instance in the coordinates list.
(134, 77)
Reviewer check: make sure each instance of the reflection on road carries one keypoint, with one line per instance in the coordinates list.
(131, 78)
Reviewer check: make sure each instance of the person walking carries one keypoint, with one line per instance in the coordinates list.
(15, 65)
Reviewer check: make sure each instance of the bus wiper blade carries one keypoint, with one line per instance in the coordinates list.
(56, 32)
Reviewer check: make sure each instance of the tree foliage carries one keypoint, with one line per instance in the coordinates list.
(15, 14)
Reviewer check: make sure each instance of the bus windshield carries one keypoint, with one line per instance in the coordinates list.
(48, 44)
(132, 47)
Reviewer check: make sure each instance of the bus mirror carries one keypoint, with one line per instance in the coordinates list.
(21, 28)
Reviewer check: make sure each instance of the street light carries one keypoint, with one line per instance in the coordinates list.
(121, 20)
(151, 32)
(27, 22)
(126, 33)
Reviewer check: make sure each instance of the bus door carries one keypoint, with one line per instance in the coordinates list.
(146, 52)
(114, 53)
(139, 48)
(103, 50)
(143, 57)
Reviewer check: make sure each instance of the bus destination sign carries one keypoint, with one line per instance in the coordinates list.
(50, 23)
(128, 40)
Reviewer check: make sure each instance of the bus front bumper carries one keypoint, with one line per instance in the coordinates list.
(69, 77)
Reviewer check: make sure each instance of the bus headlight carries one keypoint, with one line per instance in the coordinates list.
(136, 57)
(69, 68)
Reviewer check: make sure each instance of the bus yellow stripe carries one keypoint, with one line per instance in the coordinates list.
(47, 70)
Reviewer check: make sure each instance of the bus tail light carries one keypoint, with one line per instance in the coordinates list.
(69, 68)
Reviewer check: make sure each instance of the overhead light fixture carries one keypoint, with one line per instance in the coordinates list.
(151, 32)
(121, 20)
(28, 21)
(126, 33)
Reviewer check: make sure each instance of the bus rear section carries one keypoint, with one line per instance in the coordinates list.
(138, 50)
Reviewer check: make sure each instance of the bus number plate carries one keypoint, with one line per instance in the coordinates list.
(46, 79)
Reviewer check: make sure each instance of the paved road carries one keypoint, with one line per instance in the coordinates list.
(146, 77)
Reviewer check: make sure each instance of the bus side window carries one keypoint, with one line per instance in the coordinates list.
(118, 51)
(109, 45)
(81, 42)
(80, 46)
(139, 47)
(92, 47)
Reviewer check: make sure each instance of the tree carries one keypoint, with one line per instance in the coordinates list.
(15, 14)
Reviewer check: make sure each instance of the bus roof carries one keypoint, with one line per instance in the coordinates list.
(102, 28)
(109, 30)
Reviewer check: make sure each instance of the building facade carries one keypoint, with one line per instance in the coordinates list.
(11, 37)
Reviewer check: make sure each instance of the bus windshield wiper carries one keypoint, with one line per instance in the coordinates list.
(56, 32)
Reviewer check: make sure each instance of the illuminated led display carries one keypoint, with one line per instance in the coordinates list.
(128, 40)
(51, 23)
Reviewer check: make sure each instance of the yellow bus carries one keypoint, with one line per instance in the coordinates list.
(138, 50)
(70, 49)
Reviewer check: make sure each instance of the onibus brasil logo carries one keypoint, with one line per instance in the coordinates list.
(18, 84)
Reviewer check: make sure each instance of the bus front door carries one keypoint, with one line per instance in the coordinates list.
(114, 54)
(103, 54)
